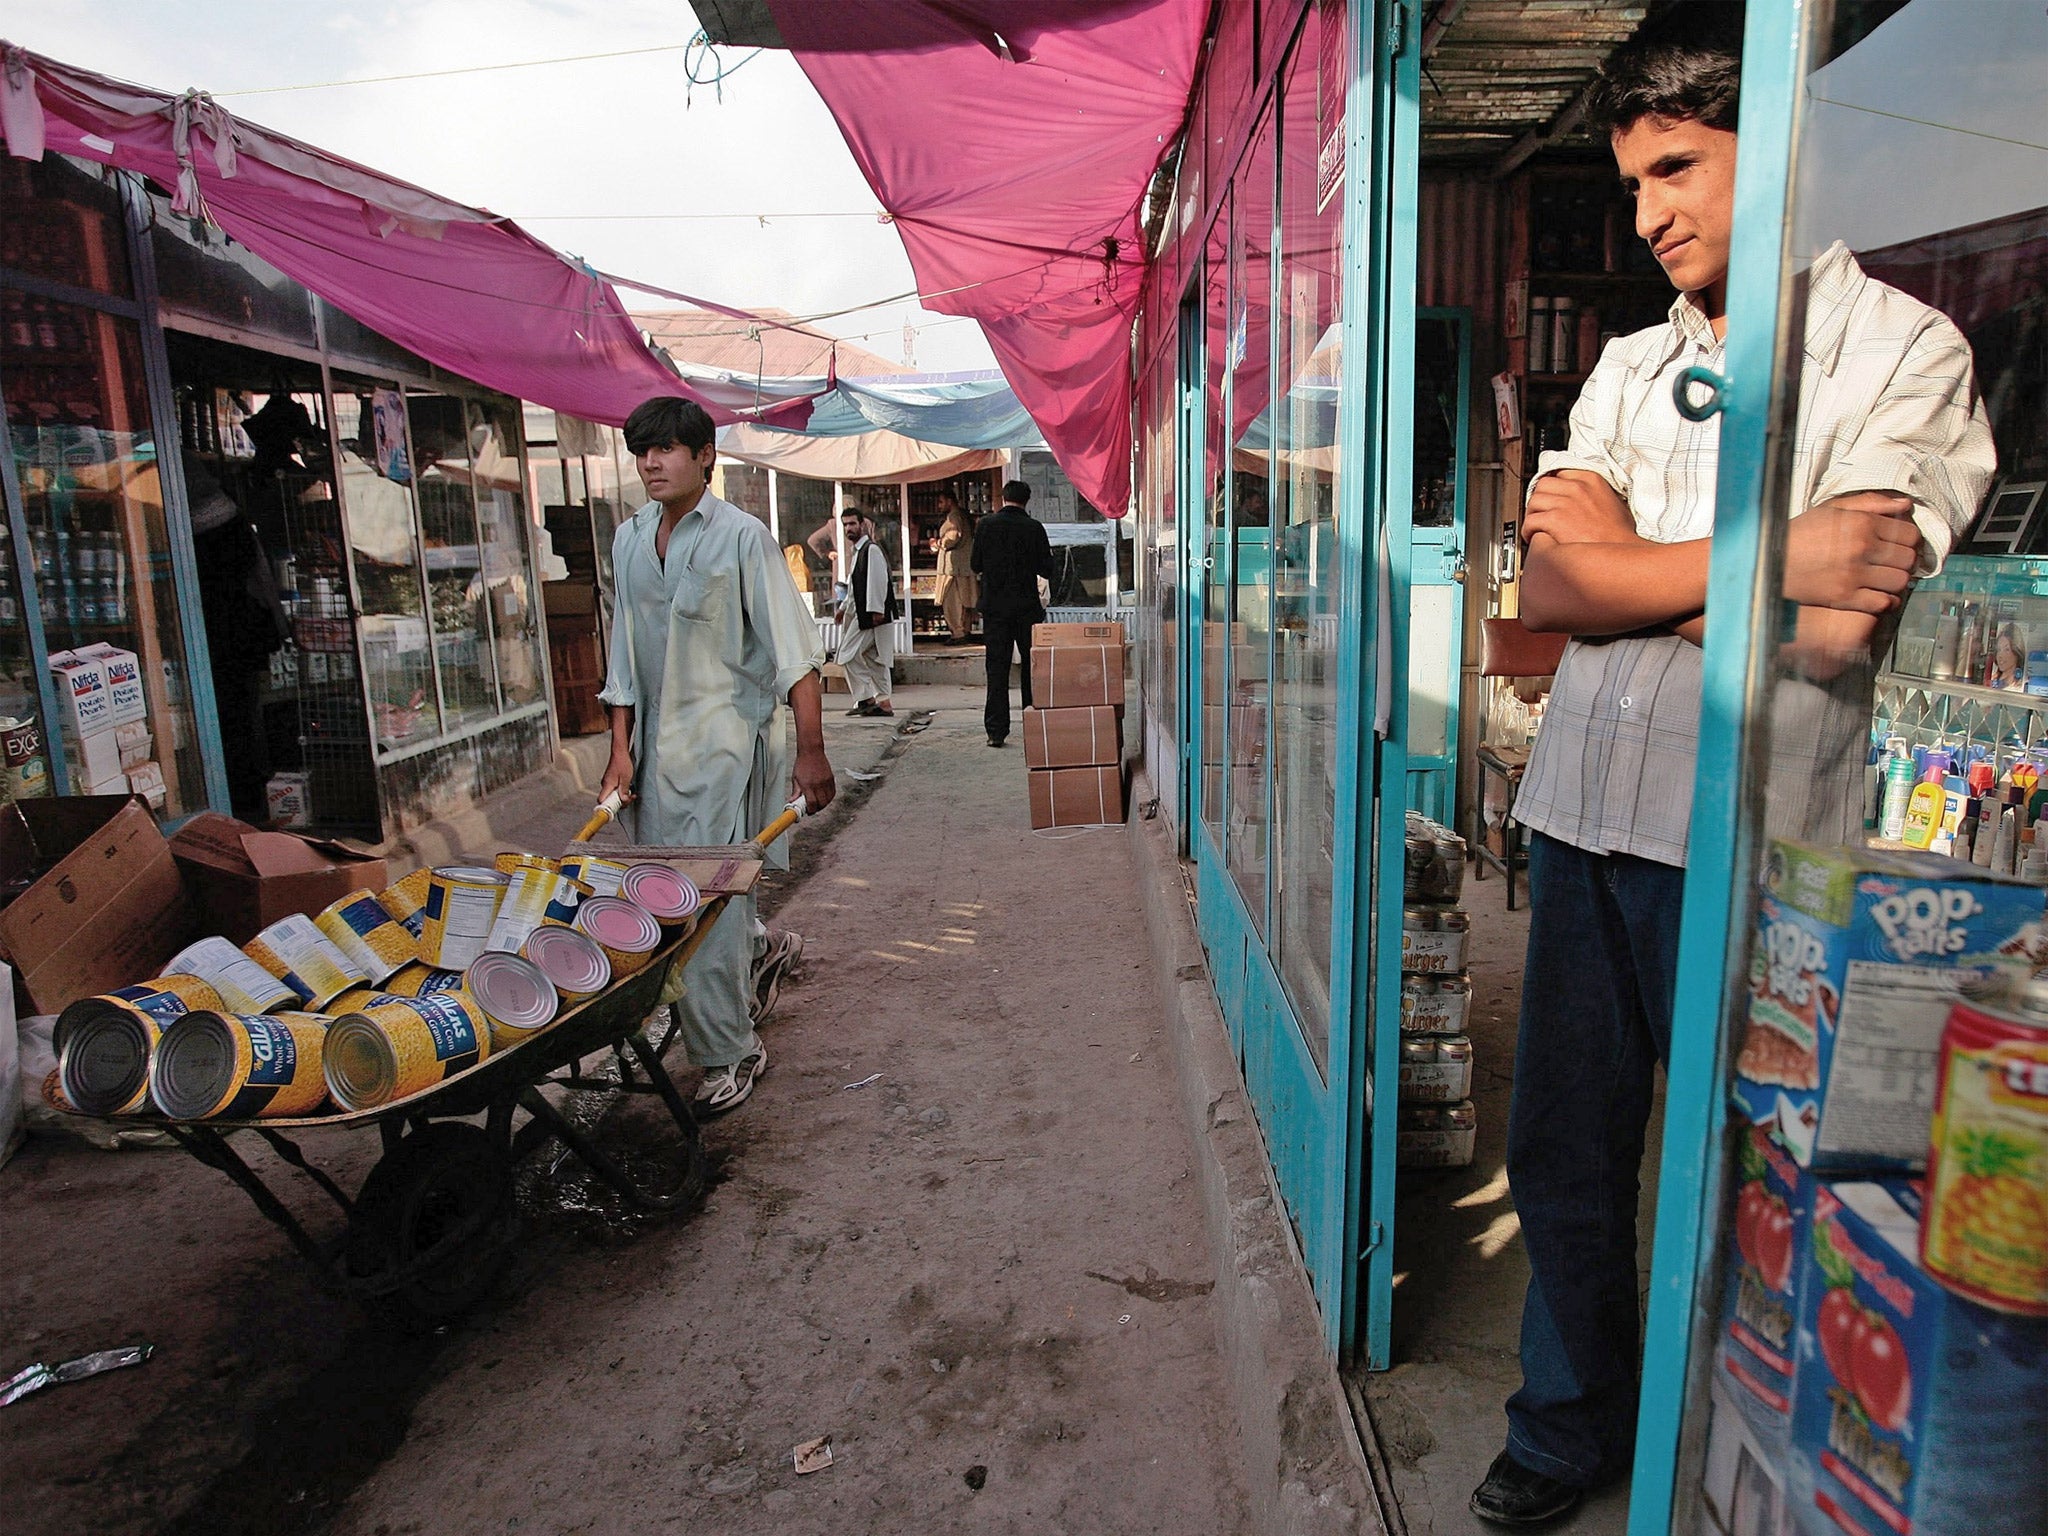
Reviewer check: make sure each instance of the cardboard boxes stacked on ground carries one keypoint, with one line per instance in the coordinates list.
(1881, 1363)
(1438, 1121)
(1073, 733)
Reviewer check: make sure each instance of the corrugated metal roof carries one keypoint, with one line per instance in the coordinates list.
(1504, 69)
(712, 340)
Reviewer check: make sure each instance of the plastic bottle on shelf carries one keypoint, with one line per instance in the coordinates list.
(1564, 331)
(1539, 333)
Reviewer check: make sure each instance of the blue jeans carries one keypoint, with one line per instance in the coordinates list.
(1596, 1020)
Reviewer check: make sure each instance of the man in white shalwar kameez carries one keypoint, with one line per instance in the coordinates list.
(709, 639)
(867, 638)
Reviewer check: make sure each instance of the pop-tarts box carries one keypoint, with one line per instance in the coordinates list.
(1859, 953)
(1916, 1413)
(123, 673)
(1755, 1347)
(86, 697)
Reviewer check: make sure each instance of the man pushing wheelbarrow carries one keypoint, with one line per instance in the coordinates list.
(709, 640)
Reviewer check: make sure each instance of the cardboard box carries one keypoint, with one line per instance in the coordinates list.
(86, 700)
(134, 743)
(1744, 1478)
(1076, 797)
(1914, 1410)
(1110, 633)
(107, 909)
(1859, 953)
(1756, 1347)
(1075, 676)
(1072, 738)
(288, 799)
(245, 879)
(94, 759)
(123, 673)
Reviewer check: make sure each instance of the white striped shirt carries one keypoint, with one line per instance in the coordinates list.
(1888, 402)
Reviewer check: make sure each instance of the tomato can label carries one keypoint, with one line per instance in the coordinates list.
(1985, 1233)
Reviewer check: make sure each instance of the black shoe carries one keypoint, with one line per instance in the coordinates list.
(1514, 1495)
(995, 741)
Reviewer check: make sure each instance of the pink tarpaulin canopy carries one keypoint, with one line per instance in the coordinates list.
(1013, 142)
(468, 291)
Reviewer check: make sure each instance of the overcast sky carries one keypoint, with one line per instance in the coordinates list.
(603, 137)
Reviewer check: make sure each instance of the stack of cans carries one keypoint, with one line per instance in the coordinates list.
(1438, 1122)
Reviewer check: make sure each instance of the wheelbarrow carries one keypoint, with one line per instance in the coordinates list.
(427, 1233)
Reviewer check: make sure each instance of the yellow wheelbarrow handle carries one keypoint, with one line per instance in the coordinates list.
(609, 807)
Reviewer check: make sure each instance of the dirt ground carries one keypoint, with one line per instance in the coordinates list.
(980, 1274)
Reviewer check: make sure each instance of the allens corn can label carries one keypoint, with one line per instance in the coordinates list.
(1984, 1234)
(421, 980)
(297, 953)
(407, 901)
(512, 863)
(462, 903)
(602, 875)
(230, 1066)
(159, 1000)
(399, 1046)
(361, 929)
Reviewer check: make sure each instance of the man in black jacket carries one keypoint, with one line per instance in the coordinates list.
(1011, 552)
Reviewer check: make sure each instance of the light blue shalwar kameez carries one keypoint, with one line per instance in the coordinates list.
(706, 645)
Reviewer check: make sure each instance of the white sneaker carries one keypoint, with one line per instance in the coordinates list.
(727, 1088)
(784, 955)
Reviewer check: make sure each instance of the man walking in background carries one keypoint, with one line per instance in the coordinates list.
(1011, 553)
(710, 640)
(867, 636)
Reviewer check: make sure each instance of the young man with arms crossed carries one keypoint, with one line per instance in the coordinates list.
(1891, 457)
(709, 638)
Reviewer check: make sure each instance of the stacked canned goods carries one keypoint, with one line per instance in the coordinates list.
(1438, 1122)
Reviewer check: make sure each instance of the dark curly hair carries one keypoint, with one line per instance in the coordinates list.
(1685, 65)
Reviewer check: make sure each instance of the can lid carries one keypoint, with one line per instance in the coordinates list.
(358, 1062)
(513, 991)
(669, 895)
(470, 874)
(618, 924)
(194, 1066)
(103, 1063)
(569, 958)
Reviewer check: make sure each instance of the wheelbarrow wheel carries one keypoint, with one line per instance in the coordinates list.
(430, 1226)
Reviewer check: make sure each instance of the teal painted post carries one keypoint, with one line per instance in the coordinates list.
(1742, 618)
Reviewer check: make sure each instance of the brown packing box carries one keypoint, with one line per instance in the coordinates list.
(1076, 797)
(1072, 738)
(1074, 676)
(108, 910)
(1110, 632)
(246, 879)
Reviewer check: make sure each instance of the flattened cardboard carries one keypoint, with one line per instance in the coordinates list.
(247, 879)
(1076, 676)
(109, 912)
(1109, 632)
(1076, 797)
(1072, 738)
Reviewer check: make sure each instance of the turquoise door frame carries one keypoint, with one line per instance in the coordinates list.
(1743, 617)
(1437, 587)
(1332, 1157)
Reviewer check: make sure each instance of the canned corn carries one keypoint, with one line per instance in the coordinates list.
(570, 958)
(407, 901)
(462, 903)
(602, 875)
(243, 985)
(628, 935)
(421, 980)
(360, 928)
(399, 1046)
(239, 1066)
(515, 995)
(669, 895)
(104, 1044)
(297, 953)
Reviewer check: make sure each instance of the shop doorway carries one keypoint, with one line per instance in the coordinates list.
(1436, 590)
